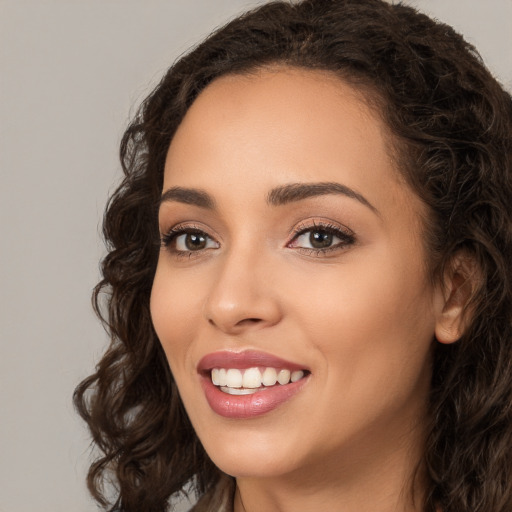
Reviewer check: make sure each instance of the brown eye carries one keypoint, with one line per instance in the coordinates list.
(194, 241)
(320, 239)
(185, 240)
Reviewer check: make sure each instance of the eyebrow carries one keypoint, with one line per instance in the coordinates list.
(191, 196)
(278, 196)
(299, 191)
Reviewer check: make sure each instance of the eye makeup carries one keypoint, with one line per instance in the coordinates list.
(313, 238)
(187, 240)
(321, 238)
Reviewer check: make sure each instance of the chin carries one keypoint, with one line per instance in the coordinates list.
(250, 453)
(254, 464)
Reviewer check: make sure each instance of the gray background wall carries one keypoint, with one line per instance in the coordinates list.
(70, 73)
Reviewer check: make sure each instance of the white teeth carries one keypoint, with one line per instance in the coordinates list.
(269, 377)
(251, 378)
(244, 382)
(283, 377)
(297, 375)
(239, 391)
(234, 378)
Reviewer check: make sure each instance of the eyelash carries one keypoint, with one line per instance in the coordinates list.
(169, 238)
(345, 235)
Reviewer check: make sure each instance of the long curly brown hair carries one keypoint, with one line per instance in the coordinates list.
(451, 123)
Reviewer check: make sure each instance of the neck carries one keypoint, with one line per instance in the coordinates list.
(368, 479)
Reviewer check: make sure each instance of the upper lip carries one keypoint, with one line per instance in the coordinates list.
(245, 359)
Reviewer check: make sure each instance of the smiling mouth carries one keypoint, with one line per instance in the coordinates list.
(249, 384)
(234, 381)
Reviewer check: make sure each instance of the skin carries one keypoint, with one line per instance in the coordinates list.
(362, 317)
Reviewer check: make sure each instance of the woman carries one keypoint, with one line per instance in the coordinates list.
(308, 284)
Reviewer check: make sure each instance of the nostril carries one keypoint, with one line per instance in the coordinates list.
(241, 322)
(249, 321)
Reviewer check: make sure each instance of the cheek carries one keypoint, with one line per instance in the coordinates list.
(173, 303)
(372, 322)
(365, 293)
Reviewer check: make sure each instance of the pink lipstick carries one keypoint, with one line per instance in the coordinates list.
(247, 384)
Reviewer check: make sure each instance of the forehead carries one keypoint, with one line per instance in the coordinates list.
(283, 125)
(287, 102)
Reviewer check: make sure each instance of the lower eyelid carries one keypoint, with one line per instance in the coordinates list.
(171, 238)
(345, 235)
(209, 241)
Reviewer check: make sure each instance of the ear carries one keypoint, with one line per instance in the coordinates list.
(460, 282)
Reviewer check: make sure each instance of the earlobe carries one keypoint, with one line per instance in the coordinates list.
(454, 295)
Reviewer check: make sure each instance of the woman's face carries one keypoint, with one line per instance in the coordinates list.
(292, 249)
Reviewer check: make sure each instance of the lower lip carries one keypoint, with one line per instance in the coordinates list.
(249, 406)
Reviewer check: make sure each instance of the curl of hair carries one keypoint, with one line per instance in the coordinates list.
(451, 125)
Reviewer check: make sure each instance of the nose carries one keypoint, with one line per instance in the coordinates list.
(243, 295)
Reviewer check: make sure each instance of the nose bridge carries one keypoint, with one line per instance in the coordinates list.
(242, 295)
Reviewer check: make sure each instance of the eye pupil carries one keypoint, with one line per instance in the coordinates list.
(195, 241)
(320, 239)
